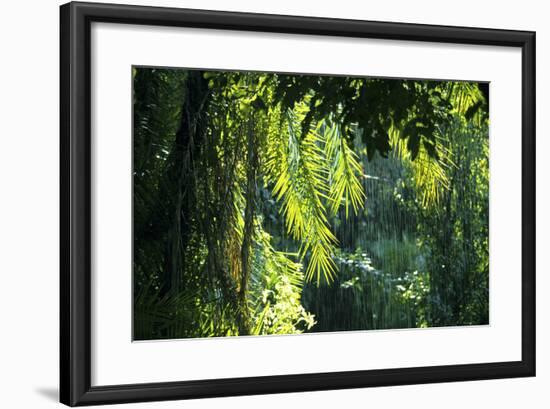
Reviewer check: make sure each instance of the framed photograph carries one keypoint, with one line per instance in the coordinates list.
(258, 204)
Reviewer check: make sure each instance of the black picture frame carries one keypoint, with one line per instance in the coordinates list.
(75, 203)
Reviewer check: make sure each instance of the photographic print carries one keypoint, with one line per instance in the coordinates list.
(278, 203)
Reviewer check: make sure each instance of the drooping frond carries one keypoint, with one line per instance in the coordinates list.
(465, 97)
(429, 172)
(297, 168)
(345, 170)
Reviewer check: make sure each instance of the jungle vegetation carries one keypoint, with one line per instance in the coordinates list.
(268, 203)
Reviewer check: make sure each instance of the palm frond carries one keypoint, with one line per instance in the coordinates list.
(297, 168)
(345, 171)
(429, 172)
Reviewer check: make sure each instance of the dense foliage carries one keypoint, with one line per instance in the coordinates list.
(276, 204)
